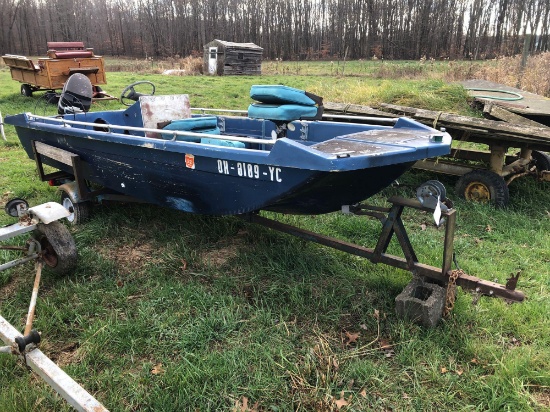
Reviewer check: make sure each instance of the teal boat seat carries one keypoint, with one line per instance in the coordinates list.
(204, 124)
(283, 112)
(278, 94)
(283, 104)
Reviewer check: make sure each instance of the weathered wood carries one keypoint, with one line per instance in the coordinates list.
(54, 153)
(531, 103)
(346, 108)
(53, 73)
(234, 58)
(506, 115)
(481, 130)
(441, 166)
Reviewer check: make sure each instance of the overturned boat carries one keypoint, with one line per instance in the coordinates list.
(278, 158)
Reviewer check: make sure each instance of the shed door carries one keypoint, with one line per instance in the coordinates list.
(212, 60)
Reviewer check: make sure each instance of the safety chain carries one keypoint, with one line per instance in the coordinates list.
(450, 296)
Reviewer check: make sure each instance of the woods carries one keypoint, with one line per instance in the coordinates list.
(286, 29)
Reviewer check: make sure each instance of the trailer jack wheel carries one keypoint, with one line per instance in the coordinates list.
(58, 247)
(483, 186)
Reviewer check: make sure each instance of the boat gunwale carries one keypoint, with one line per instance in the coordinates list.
(32, 117)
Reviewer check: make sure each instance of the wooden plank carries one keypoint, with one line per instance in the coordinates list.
(54, 153)
(442, 166)
(345, 108)
(506, 115)
(489, 129)
(531, 104)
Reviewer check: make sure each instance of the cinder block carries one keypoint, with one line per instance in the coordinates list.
(421, 302)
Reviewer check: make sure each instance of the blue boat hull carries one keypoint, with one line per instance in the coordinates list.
(165, 182)
(317, 167)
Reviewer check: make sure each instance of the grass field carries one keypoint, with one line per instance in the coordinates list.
(175, 312)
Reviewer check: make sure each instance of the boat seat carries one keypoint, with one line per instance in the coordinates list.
(203, 124)
(283, 104)
(207, 124)
(279, 94)
(281, 112)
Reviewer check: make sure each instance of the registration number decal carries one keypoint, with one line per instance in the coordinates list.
(250, 170)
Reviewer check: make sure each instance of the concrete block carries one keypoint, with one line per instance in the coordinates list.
(421, 302)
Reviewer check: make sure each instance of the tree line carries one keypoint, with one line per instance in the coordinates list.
(286, 29)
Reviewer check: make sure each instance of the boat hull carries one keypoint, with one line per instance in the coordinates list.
(210, 185)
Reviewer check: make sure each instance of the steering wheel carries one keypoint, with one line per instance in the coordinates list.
(129, 93)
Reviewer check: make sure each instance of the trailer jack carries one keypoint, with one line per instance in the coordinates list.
(52, 245)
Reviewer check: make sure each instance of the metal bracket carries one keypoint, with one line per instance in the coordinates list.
(65, 157)
(393, 224)
(63, 384)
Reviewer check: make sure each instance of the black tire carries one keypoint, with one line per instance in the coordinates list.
(26, 90)
(483, 186)
(541, 160)
(79, 211)
(58, 247)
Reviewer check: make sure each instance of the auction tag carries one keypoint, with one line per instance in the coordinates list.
(437, 212)
(190, 161)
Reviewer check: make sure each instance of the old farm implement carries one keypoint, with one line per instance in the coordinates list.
(488, 154)
(50, 73)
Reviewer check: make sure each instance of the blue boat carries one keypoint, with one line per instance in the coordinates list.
(279, 158)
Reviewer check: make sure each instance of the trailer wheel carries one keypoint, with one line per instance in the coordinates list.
(58, 247)
(26, 90)
(483, 186)
(541, 159)
(79, 212)
(51, 97)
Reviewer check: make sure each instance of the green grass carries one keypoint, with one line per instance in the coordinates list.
(170, 311)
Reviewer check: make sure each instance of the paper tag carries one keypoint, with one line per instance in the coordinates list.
(437, 212)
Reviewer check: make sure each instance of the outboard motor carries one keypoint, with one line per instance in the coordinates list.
(76, 96)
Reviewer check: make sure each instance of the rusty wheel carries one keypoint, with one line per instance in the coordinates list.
(483, 186)
(58, 247)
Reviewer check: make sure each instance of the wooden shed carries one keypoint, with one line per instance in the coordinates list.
(228, 58)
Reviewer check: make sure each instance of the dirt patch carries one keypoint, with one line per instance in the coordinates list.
(542, 398)
(224, 250)
(63, 354)
(131, 257)
(14, 285)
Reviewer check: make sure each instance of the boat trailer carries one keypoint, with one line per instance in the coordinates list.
(431, 293)
(50, 245)
(429, 282)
